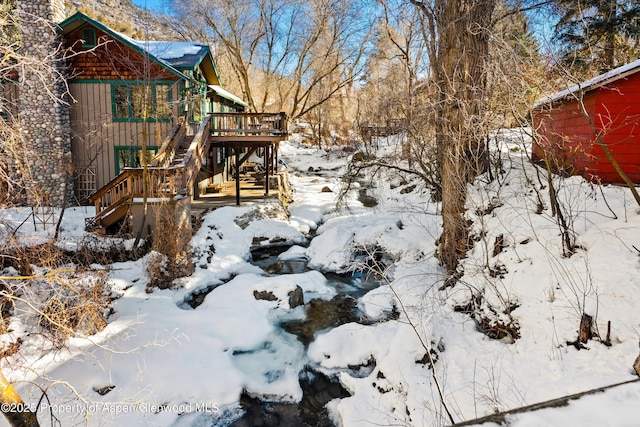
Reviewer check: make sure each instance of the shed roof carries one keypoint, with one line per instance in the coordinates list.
(592, 84)
(227, 95)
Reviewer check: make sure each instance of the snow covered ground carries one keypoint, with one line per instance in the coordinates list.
(173, 365)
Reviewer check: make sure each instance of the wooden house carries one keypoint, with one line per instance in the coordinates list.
(574, 128)
(148, 122)
(128, 94)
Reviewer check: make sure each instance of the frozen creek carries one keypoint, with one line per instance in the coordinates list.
(307, 301)
(248, 351)
(296, 330)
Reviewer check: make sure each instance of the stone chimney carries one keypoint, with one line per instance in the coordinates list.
(44, 115)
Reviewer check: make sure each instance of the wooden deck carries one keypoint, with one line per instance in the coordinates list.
(392, 127)
(248, 129)
(173, 173)
(252, 191)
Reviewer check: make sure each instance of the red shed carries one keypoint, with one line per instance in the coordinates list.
(566, 137)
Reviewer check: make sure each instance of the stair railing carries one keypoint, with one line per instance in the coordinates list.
(168, 149)
(168, 182)
(197, 151)
(164, 182)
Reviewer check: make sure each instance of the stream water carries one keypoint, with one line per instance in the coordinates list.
(318, 389)
(320, 315)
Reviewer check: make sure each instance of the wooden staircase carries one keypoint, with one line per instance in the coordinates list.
(168, 177)
(172, 173)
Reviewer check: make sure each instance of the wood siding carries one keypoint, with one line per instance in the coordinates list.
(111, 60)
(617, 116)
(95, 135)
(567, 139)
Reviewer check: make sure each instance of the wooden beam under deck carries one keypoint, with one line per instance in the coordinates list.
(246, 140)
(237, 154)
(236, 146)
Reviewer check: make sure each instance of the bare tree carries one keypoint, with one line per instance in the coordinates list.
(396, 68)
(19, 185)
(291, 56)
(459, 53)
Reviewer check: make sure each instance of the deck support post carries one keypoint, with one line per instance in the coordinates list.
(237, 153)
(267, 150)
(196, 190)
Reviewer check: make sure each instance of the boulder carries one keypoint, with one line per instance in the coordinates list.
(296, 297)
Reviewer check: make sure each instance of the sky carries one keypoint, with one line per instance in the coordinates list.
(150, 4)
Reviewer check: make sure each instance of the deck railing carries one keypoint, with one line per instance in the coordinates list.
(160, 182)
(163, 181)
(249, 124)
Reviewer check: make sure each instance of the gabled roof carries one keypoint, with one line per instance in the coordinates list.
(592, 84)
(184, 56)
(175, 57)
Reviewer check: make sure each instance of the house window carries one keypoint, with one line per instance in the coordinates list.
(197, 108)
(220, 157)
(89, 37)
(162, 98)
(132, 102)
(133, 157)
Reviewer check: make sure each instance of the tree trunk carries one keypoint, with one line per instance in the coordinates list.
(463, 27)
(453, 241)
(586, 323)
(610, 12)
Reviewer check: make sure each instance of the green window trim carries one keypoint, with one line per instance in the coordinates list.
(89, 38)
(129, 99)
(127, 156)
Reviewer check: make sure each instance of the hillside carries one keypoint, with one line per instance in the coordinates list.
(125, 17)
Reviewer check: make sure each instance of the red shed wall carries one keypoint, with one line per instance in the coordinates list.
(564, 134)
(567, 137)
(617, 116)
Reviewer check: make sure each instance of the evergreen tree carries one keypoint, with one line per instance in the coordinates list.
(598, 35)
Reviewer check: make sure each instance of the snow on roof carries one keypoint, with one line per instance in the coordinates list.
(74, 22)
(146, 47)
(174, 54)
(601, 80)
(227, 95)
(172, 50)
